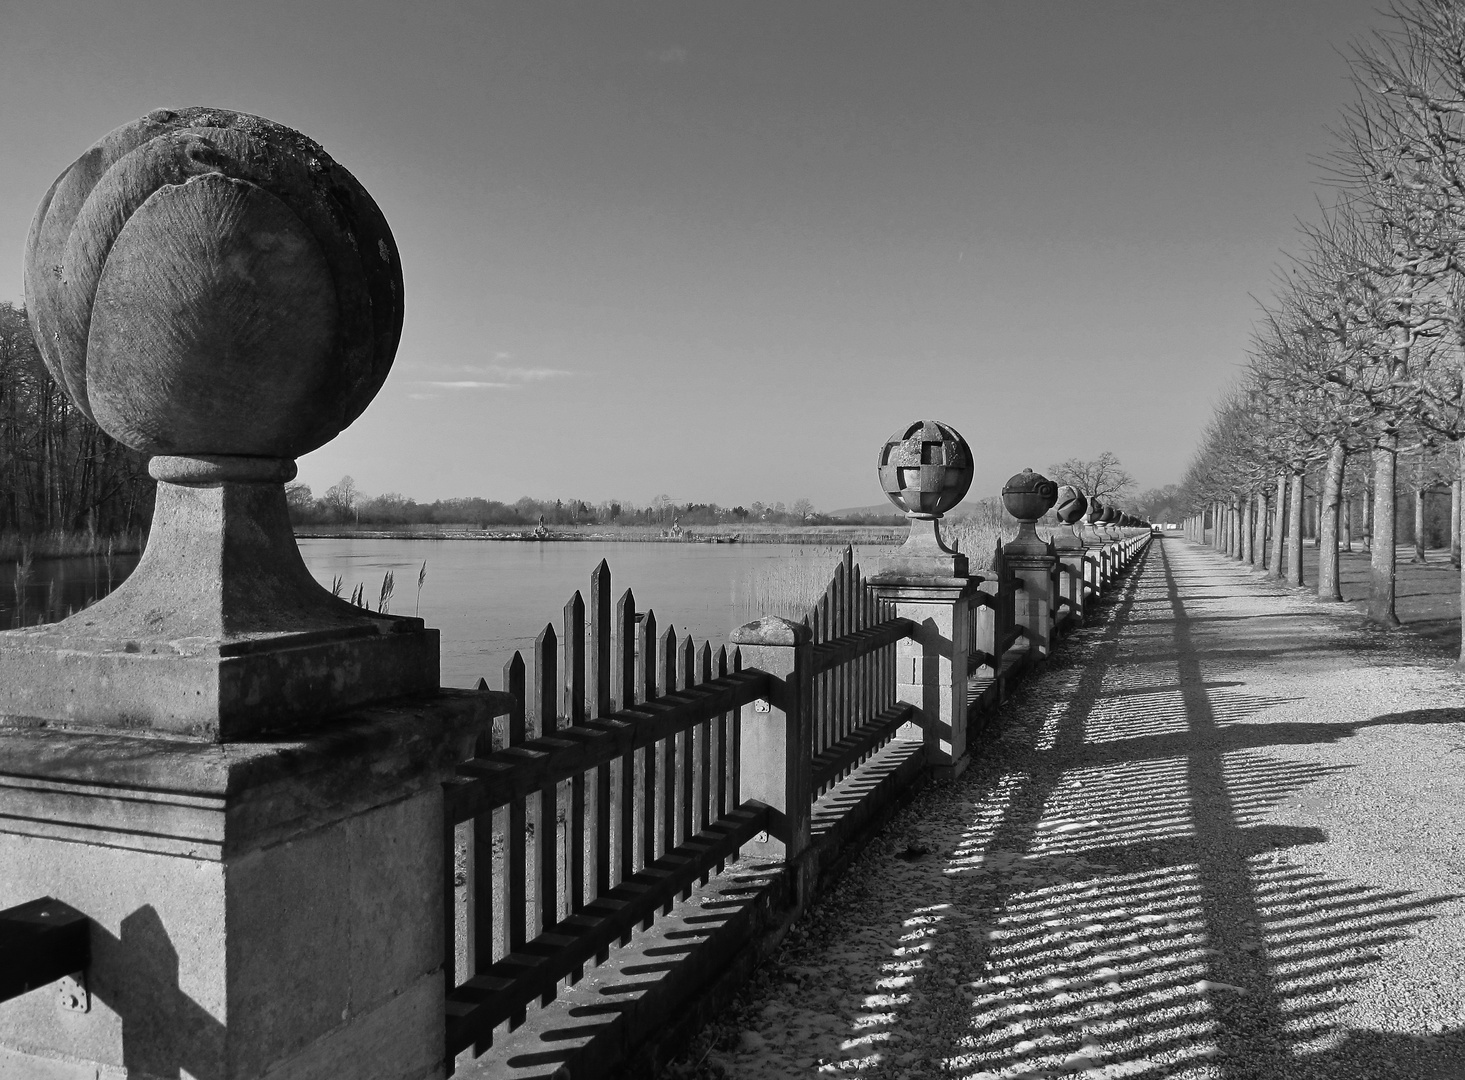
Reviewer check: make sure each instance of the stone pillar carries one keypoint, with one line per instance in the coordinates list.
(775, 764)
(1028, 496)
(1073, 561)
(926, 470)
(236, 776)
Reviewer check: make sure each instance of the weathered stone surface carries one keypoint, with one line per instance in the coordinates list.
(771, 630)
(210, 287)
(303, 928)
(925, 468)
(182, 199)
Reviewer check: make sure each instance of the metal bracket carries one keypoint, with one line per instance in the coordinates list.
(74, 995)
(762, 705)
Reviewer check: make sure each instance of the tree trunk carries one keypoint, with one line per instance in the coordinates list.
(1455, 517)
(1348, 524)
(1259, 530)
(1243, 527)
(1328, 586)
(1294, 530)
(1233, 534)
(1381, 564)
(1248, 529)
(1419, 518)
(1368, 494)
(1279, 530)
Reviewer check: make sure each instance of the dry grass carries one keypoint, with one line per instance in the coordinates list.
(789, 587)
(978, 538)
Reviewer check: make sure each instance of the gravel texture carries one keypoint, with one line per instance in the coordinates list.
(1220, 837)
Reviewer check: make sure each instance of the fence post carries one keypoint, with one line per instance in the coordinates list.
(775, 763)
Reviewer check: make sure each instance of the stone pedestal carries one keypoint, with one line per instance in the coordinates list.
(1073, 570)
(265, 909)
(933, 667)
(1033, 562)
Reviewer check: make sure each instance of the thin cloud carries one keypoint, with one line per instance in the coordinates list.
(489, 376)
(474, 384)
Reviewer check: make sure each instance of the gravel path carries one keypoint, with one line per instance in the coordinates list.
(1221, 837)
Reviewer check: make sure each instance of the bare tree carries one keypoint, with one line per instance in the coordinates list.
(1102, 478)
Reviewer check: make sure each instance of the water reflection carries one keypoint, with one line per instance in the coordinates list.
(46, 590)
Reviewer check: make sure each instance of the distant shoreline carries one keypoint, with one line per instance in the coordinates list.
(822, 534)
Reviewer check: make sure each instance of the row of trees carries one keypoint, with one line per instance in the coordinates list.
(1356, 362)
(58, 471)
(343, 503)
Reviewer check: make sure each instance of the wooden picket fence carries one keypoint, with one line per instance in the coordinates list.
(611, 786)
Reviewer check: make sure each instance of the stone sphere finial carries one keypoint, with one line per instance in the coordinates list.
(1029, 495)
(925, 469)
(211, 285)
(1096, 511)
(1071, 505)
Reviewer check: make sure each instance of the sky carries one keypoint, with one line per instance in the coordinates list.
(721, 251)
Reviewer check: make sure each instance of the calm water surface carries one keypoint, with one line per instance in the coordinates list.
(488, 598)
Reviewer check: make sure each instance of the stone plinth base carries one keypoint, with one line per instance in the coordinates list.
(258, 909)
(223, 692)
(931, 668)
(220, 633)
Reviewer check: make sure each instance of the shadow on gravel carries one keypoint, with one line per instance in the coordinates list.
(1135, 912)
(1104, 893)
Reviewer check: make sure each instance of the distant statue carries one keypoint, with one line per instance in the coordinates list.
(542, 530)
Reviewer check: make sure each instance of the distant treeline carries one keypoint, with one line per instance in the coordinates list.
(58, 472)
(343, 504)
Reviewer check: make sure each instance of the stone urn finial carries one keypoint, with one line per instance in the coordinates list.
(1028, 496)
(213, 290)
(1096, 511)
(925, 470)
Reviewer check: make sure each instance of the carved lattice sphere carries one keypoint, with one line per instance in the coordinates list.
(925, 469)
(208, 283)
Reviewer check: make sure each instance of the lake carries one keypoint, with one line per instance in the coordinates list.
(490, 598)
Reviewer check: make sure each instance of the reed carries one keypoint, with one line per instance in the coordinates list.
(977, 538)
(61, 543)
(788, 587)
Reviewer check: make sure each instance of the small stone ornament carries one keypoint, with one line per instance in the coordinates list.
(212, 289)
(1028, 496)
(925, 470)
(1071, 505)
(1069, 510)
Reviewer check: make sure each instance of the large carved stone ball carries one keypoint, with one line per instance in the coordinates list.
(1071, 504)
(1096, 511)
(1029, 495)
(204, 282)
(925, 468)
